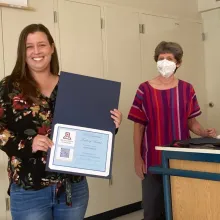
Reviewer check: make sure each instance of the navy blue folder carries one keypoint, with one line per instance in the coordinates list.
(85, 101)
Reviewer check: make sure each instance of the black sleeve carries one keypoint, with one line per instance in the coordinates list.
(116, 130)
(11, 143)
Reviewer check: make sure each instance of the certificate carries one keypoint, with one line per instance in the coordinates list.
(82, 129)
(81, 150)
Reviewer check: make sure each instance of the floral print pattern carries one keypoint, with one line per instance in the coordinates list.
(20, 122)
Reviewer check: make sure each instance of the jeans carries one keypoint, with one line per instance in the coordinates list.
(43, 205)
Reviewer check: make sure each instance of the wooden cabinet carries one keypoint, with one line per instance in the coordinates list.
(122, 49)
(80, 38)
(123, 63)
(81, 52)
(211, 25)
(12, 23)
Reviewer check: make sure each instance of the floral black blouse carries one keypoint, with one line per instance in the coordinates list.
(19, 124)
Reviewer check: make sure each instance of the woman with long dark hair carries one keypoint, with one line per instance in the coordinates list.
(27, 98)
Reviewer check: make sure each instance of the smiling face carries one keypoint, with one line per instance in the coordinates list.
(38, 52)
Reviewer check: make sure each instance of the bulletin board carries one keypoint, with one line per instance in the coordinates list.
(15, 2)
(19, 4)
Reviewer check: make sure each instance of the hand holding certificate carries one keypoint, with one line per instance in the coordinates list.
(83, 130)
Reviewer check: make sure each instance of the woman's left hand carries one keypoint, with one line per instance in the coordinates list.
(117, 117)
(211, 132)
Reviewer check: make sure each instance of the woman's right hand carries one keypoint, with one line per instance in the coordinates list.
(140, 167)
(41, 143)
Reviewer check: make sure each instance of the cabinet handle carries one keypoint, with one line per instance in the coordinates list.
(211, 104)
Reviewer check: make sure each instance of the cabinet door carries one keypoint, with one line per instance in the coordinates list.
(2, 73)
(80, 38)
(14, 20)
(81, 53)
(193, 66)
(156, 29)
(204, 5)
(123, 57)
(211, 25)
(3, 156)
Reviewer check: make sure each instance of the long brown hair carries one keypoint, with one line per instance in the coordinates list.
(21, 72)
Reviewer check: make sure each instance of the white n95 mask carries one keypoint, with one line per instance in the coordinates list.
(166, 68)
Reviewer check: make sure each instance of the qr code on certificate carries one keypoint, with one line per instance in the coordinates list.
(65, 153)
